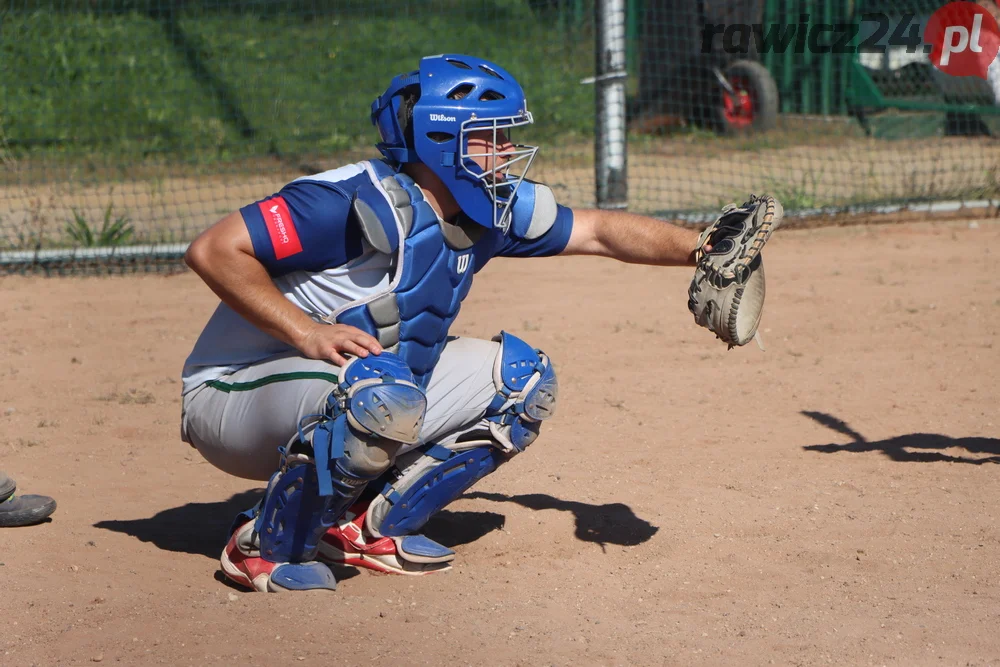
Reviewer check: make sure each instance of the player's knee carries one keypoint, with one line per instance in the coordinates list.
(527, 392)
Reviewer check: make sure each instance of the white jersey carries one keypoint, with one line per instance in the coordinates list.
(229, 342)
(318, 258)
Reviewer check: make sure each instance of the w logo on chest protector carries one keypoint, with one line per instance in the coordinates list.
(462, 264)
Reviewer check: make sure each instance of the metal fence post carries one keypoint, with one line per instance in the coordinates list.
(611, 78)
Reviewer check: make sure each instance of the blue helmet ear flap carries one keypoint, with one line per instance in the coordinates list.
(385, 116)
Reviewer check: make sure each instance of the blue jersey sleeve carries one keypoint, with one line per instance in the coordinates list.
(552, 242)
(306, 226)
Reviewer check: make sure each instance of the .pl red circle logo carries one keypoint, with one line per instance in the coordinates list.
(964, 39)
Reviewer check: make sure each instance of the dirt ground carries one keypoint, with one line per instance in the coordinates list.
(832, 500)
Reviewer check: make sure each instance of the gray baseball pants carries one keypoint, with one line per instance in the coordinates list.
(238, 421)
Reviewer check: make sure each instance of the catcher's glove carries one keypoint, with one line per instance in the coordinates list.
(727, 293)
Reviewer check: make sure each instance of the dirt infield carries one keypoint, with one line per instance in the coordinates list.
(832, 500)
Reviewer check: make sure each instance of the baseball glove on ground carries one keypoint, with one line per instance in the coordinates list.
(727, 293)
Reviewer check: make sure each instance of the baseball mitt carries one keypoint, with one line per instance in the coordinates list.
(727, 292)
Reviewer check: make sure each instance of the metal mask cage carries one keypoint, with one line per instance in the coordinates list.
(505, 170)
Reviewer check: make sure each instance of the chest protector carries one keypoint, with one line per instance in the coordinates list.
(431, 275)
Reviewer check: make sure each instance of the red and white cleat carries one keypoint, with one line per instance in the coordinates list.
(242, 563)
(350, 543)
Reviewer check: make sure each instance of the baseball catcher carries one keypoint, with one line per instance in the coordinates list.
(329, 369)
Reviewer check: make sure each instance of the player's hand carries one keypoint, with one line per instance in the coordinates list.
(330, 342)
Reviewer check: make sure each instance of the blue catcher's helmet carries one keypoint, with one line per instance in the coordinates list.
(460, 95)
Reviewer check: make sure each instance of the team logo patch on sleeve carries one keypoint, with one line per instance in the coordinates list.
(280, 227)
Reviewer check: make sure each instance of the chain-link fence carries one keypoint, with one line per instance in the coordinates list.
(831, 106)
(131, 124)
(127, 126)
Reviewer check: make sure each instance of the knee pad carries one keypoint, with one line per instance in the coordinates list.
(376, 407)
(379, 396)
(527, 390)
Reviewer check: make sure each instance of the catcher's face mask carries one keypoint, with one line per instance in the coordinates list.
(462, 97)
(498, 165)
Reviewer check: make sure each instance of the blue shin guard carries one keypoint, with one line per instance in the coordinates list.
(434, 480)
(291, 518)
(294, 514)
(374, 408)
(278, 550)
(432, 476)
(275, 550)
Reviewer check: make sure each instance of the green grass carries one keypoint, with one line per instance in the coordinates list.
(223, 85)
(77, 80)
(113, 231)
(799, 194)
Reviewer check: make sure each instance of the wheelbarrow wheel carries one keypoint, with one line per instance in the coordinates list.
(753, 107)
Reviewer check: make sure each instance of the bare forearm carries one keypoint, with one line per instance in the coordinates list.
(638, 239)
(243, 284)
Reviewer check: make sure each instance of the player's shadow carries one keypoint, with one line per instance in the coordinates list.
(203, 528)
(195, 528)
(612, 523)
(453, 529)
(913, 447)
